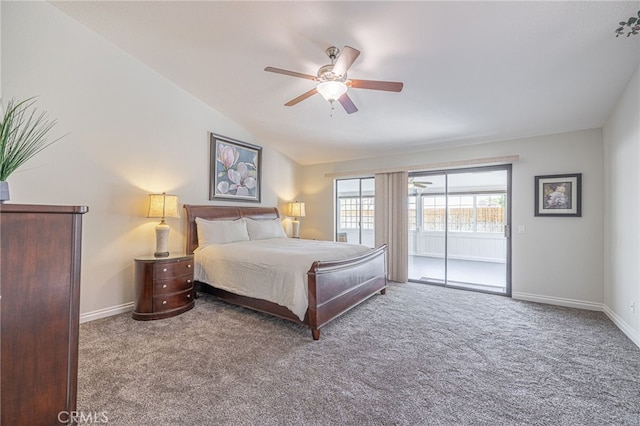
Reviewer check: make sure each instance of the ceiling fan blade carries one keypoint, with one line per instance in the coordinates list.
(389, 86)
(290, 73)
(302, 97)
(346, 58)
(347, 104)
(419, 183)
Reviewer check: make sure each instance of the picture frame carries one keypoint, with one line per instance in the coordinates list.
(558, 195)
(235, 169)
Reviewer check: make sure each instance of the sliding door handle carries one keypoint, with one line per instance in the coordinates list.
(507, 231)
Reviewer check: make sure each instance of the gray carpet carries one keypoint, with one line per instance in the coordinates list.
(417, 355)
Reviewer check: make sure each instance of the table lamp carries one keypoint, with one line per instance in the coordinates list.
(162, 206)
(296, 210)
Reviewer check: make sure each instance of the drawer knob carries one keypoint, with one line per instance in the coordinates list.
(189, 266)
(164, 302)
(189, 281)
(189, 296)
(164, 286)
(164, 269)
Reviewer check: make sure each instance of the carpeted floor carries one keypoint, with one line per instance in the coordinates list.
(419, 355)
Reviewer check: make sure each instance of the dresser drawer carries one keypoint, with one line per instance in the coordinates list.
(172, 301)
(173, 285)
(172, 269)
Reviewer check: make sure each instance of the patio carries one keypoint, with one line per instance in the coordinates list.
(470, 274)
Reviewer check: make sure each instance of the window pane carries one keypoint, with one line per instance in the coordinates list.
(433, 213)
(349, 213)
(413, 212)
(461, 213)
(367, 212)
(490, 213)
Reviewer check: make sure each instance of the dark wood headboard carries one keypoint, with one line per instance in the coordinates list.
(222, 213)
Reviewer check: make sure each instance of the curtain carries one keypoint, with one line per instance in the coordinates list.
(391, 225)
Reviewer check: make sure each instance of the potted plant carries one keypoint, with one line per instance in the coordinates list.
(23, 134)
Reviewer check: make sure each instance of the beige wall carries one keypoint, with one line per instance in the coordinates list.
(622, 230)
(130, 132)
(558, 260)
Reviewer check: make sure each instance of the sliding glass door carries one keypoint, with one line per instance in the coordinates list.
(459, 228)
(355, 203)
(427, 228)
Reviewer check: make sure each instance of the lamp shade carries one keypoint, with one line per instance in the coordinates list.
(163, 205)
(296, 209)
(331, 90)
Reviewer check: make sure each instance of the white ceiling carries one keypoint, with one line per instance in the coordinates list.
(472, 71)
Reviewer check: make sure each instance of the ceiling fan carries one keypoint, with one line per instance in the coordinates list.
(418, 184)
(333, 82)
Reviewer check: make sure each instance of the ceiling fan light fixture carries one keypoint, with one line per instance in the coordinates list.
(331, 90)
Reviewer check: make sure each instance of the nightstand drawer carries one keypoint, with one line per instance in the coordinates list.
(173, 269)
(173, 285)
(172, 301)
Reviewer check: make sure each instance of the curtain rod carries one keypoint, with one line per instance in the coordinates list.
(490, 161)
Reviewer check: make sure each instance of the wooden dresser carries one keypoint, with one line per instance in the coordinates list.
(39, 312)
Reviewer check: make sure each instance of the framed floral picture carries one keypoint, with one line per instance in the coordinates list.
(558, 195)
(235, 169)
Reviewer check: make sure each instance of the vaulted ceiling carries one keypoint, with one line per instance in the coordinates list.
(473, 72)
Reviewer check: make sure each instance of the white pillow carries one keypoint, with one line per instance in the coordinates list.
(221, 231)
(263, 229)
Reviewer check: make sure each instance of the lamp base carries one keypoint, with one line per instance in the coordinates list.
(295, 229)
(162, 240)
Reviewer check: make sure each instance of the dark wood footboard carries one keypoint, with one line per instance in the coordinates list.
(336, 287)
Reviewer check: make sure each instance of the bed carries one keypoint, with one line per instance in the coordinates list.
(332, 286)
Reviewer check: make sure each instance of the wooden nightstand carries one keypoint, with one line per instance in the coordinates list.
(163, 286)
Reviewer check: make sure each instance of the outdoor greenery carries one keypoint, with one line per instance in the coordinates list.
(633, 24)
(23, 133)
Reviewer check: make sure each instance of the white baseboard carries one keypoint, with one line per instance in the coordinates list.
(581, 304)
(106, 312)
(560, 301)
(622, 325)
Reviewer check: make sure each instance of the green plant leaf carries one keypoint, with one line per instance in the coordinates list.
(23, 134)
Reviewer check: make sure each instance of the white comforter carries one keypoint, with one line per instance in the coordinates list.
(273, 269)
